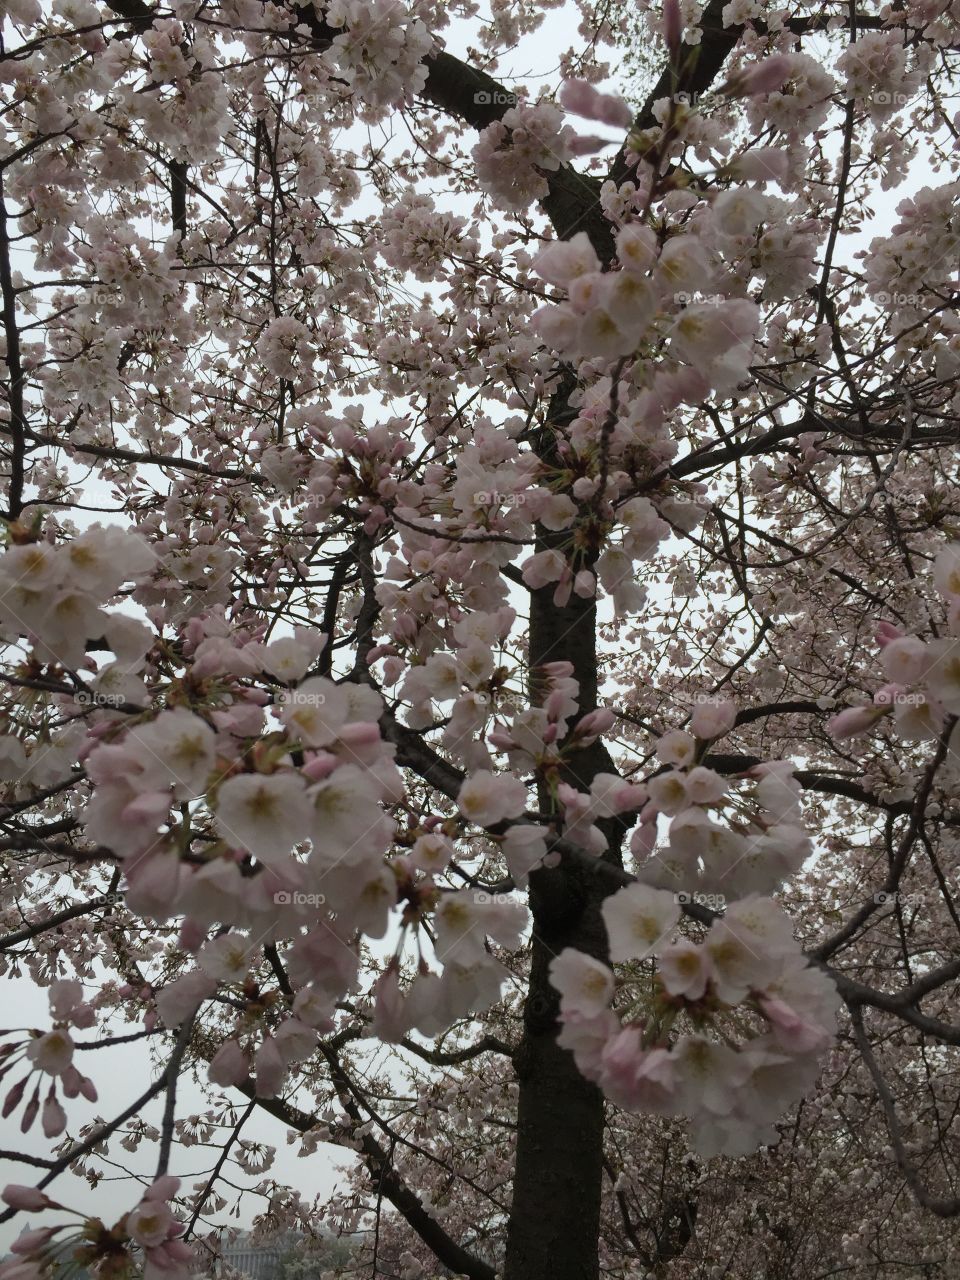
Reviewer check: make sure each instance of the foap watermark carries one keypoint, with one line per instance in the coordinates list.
(895, 698)
(492, 498)
(684, 299)
(890, 899)
(494, 98)
(683, 99)
(105, 899)
(98, 698)
(498, 898)
(712, 901)
(898, 299)
(294, 898)
(301, 698)
(506, 701)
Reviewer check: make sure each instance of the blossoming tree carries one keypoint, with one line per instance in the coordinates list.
(479, 578)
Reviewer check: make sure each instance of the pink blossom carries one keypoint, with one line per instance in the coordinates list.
(52, 1052)
(389, 1011)
(150, 1223)
(904, 659)
(639, 921)
(32, 1243)
(562, 261)
(792, 1031)
(677, 747)
(180, 999)
(764, 77)
(685, 969)
(886, 632)
(585, 985)
(668, 791)
(946, 570)
(488, 798)
(266, 814)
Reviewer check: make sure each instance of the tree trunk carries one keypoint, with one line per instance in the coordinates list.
(555, 1216)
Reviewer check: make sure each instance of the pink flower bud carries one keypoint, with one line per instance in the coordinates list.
(579, 97)
(29, 1243)
(163, 1188)
(558, 670)
(853, 721)
(54, 1118)
(763, 77)
(228, 1066)
(320, 765)
(672, 24)
(554, 705)
(269, 1069)
(614, 111)
(360, 733)
(595, 722)
(28, 1198)
(886, 632)
(587, 144)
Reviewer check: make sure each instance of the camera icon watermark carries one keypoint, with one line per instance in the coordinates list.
(684, 99)
(505, 701)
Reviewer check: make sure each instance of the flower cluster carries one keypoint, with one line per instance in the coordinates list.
(608, 314)
(514, 152)
(923, 677)
(147, 1239)
(420, 238)
(50, 1053)
(876, 71)
(53, 594)
(726, 1030)
(917, 262)
(704, 856)
(380, 51)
